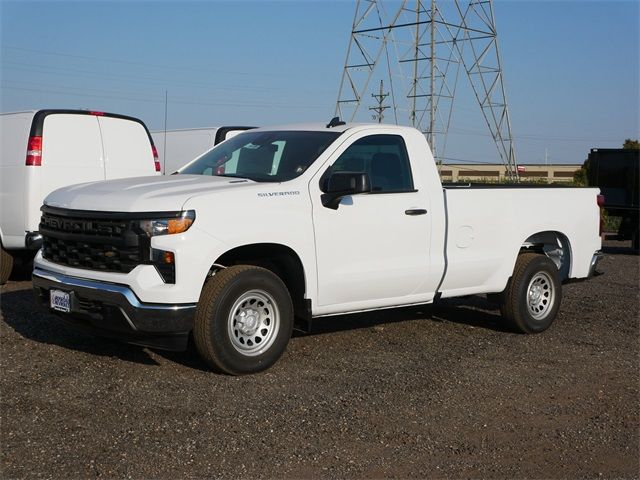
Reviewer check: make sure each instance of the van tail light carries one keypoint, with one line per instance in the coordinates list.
(34, 151)
(156, 161)
(600, 202)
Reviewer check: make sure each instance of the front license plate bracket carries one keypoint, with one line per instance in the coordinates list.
(60, 300)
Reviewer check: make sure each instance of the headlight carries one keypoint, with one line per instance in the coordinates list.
(168, 226)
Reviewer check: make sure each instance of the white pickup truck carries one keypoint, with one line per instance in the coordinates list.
(297, 222)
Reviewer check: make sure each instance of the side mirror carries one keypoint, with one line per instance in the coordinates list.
(341, 184)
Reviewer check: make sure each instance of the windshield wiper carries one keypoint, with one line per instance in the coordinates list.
(261, 179)
(230, 175)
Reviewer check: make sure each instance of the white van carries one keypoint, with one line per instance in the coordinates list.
(41, 151)
(184, 145)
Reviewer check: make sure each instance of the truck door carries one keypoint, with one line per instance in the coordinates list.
(375, 246)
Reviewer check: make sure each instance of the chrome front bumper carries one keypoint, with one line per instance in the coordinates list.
(114, 310)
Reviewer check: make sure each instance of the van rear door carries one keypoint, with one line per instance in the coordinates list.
(71, 153)
(127, 148)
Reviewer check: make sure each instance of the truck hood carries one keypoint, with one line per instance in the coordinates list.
(141, 194)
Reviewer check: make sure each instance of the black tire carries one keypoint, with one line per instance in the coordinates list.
(6, 265)
(535, 275)
(635, 240)
(220, 336)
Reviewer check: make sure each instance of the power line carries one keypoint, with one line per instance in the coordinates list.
(126, 62)
(161, 101)
(481, 162)
(74, 72)
(536, 137)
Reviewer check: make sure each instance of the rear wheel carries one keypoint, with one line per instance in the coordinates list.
(244, 320)
(6, 265)
(532, 298)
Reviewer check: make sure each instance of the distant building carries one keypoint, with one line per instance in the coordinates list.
(494, 172)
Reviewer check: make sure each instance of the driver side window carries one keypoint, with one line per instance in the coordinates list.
(383, 157)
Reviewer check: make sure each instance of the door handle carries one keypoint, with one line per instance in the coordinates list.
(415, 211)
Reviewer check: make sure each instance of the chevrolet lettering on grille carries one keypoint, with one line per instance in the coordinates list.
(81, 226)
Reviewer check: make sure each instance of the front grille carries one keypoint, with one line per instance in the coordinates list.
(80, 240)
(92, 256)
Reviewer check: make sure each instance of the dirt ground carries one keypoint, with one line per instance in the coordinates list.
(441, 391)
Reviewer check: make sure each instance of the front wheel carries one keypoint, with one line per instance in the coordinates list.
(532, 298)
(244, 320)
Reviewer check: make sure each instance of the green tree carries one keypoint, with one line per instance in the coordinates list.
(581, 178)
(631, 144)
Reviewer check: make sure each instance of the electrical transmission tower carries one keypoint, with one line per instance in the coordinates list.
(421, 48)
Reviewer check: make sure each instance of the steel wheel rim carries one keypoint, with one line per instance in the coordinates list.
(254, 322)
(540, 295)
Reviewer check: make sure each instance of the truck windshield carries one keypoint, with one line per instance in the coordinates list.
(274, 156)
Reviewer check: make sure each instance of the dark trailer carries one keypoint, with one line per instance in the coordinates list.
(616, 171)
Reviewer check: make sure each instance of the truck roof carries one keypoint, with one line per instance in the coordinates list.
(322, 127)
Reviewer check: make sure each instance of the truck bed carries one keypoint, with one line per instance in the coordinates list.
(485, 231)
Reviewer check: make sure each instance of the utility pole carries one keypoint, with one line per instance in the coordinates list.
(380, 99)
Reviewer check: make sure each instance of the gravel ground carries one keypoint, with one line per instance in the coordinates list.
(437, 391)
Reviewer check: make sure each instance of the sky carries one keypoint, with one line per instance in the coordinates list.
(571, 68)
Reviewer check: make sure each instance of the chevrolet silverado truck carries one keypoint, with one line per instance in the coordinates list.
(279, 225)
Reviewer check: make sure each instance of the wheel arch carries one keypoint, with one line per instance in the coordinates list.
(280, 259)
(555, 245)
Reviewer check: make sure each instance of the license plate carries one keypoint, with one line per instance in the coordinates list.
(60, 300)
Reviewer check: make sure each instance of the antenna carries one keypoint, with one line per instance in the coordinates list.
(164, 148)
(335, 122)
(427, 45)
